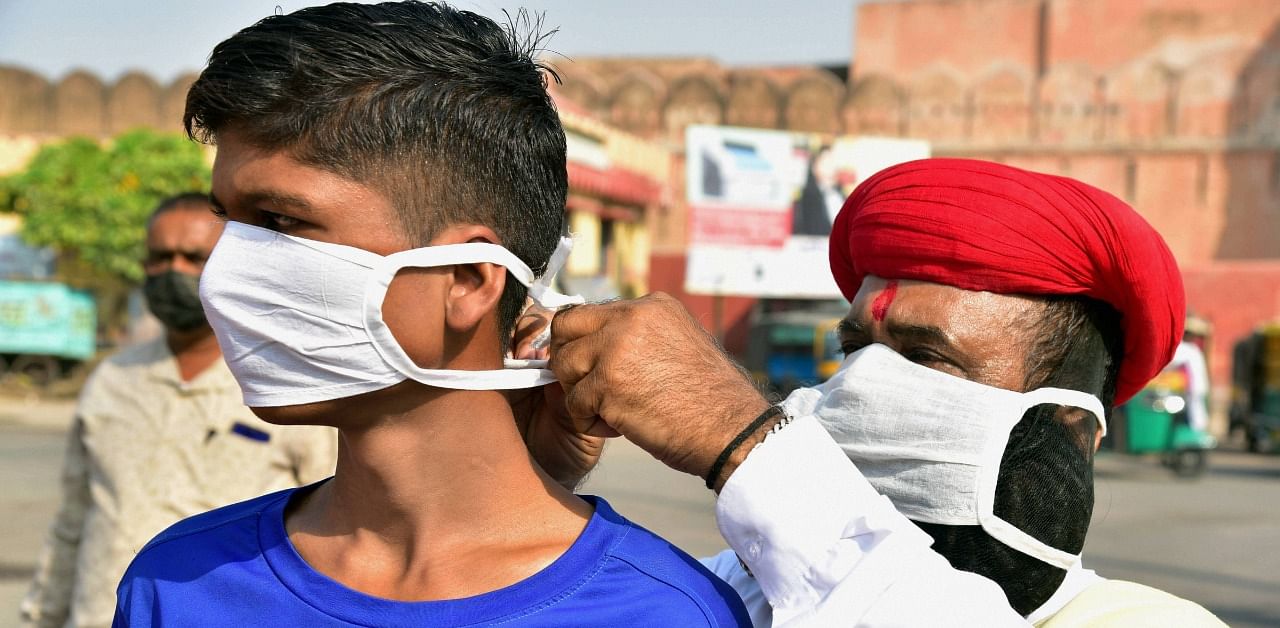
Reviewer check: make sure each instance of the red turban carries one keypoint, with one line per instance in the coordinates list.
(984, 226)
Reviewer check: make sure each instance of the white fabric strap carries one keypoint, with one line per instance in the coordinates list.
(1000, 529)
(1067, 397)
(542, 292)
(1076, 581)
(1014, 537)
(518, 374)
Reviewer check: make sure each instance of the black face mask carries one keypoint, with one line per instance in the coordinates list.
(1045, 488)
(174, 298)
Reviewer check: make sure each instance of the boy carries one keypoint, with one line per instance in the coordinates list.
(370, 161)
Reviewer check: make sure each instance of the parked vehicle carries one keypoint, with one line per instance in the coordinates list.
(1255, 398)
(45, 329)
(787, 350)
(1155, 422)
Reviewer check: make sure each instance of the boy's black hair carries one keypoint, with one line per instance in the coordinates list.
(444, 111)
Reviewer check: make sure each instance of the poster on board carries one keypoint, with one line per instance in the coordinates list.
(761, 204)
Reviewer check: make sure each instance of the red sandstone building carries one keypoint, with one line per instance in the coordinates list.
(1173, 105)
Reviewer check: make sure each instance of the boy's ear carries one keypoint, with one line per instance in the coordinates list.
(474, 289)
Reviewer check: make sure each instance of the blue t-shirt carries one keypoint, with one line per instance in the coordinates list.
(235, 566)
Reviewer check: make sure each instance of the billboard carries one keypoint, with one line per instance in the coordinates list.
(761, 204)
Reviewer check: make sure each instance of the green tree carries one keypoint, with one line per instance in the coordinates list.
(90, 203)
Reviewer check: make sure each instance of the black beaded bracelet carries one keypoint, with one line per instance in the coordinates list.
(718, 465)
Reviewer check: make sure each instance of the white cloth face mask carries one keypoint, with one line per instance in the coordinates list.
(300, 321)
(931, 442)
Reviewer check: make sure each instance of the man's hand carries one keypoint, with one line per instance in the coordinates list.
(565, 453)
(648, 370)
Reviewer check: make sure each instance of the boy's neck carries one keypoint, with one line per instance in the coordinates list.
(437, 498)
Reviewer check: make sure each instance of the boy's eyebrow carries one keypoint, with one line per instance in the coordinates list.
(296, 203)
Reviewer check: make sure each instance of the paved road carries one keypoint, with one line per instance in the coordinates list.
(1215, 540)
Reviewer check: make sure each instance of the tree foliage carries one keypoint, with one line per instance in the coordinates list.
(90, 202)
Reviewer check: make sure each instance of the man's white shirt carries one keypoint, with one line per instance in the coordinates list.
(825, 549)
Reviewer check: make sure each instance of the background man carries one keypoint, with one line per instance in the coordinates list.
(986, 281)
(1190, 358)
(160, 433)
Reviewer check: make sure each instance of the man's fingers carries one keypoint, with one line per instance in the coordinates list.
(601, 429)
(528, 329)
(575, 322)
(574, 361)
(583, 401)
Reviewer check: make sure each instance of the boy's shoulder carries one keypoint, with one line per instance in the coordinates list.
(668, 572)
(213, 569)
(230, 529)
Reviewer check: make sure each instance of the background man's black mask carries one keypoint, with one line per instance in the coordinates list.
(174, 298)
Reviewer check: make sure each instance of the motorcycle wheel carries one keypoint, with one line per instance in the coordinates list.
(1189, 463)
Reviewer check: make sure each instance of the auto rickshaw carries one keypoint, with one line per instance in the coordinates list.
(1156, 421)
(791, 349)
(1255, 402)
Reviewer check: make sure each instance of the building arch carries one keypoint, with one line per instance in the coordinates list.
(692, 99)
(1139, 102)
(24, 101)
(80, 105)
(813, 104)
(753, 101)
(636, 104)
(133, 102)
(875, 106)
(586, 91)
(937, 108)
(1204, 93)
(1070, 106)
(1001, 107)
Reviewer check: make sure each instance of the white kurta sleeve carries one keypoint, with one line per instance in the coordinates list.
(827, 550)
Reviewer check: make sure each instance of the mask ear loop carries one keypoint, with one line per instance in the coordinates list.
(542, 293)
(1072, 398)
(526, 374)
(998, 440)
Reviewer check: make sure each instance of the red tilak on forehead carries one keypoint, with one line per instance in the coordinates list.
(880, 307)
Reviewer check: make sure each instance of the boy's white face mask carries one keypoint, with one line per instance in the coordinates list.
(931, 442)
(300, 321)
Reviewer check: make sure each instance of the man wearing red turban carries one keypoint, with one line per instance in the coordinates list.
(986, 227)
(995, 314)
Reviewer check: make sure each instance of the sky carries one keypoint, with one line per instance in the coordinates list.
(167, 38)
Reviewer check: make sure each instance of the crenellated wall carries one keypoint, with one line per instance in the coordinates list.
(82, 104)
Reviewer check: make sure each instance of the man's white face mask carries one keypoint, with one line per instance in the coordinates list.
(931, 442)
(300, 321)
